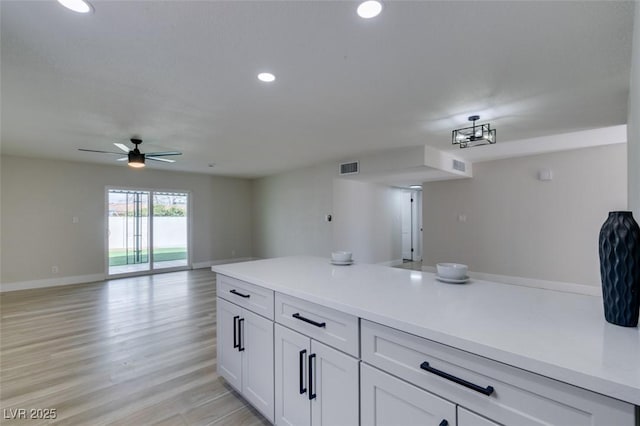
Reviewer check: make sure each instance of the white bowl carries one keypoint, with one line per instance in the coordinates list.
(453, 271)
(341, 256)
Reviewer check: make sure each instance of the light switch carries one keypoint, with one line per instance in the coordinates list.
(75, 219)
(545, 174)
(462, 218)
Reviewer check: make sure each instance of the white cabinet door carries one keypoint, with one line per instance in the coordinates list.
(467, 418)
(388, 401)
(229, 357)
(292, 352)
(256, 345)
(334, 382)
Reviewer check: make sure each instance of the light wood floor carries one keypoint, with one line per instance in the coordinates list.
(130, 351)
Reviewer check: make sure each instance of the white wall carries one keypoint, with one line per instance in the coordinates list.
(290, 209)
(40, 197)
(519, 226)
(633, 124)
(367, 221)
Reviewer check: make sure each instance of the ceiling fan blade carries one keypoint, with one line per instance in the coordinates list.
(165, 160)
(163, 154)
(122, 147)
(123, 159)
(102, 152)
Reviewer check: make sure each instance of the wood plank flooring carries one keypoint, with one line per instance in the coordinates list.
(131, 351)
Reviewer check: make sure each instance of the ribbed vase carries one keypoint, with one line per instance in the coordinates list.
(620, 268)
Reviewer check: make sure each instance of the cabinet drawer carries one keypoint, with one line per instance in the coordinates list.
(511, 396)
(467, 418)
(388, 401)
(252, 297)
(326, 325)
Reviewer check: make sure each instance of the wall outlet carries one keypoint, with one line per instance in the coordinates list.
(462, 218)
(233, 253)
(54, 270)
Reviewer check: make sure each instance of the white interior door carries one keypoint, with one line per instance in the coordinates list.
(406, 226)
(416, 225)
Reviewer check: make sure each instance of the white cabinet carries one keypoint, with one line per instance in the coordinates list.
(315, 384)
(502, 393)
(388, 401)
(229, 356)
(467, 418)
(335, 328)
(245, 354)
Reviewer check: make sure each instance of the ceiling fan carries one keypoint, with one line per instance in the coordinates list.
(134, 156)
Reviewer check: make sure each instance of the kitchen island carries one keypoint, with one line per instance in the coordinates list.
(514, 335)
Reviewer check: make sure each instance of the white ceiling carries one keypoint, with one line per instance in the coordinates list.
(182, 75)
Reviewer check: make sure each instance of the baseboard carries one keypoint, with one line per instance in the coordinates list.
(211, 263)
(532, 282)
(51, 282)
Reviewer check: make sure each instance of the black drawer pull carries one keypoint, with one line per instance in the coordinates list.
(246, 296)
(241, 334)
(312, 394)
(487, 391)
(301, 360)
(301, 318)
(235, 332)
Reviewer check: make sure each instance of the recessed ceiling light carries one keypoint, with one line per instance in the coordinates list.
(415, 186)
(79, 6)
(267, 77)
(369, 9)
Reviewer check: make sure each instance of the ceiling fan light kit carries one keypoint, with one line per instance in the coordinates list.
(475, 135)
(134, 157)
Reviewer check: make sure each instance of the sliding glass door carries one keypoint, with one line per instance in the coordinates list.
(169, 229)
(147, 230)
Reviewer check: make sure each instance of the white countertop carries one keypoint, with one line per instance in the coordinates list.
(559, 335)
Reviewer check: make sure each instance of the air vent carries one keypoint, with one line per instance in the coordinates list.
(459, 165)
(351, 168)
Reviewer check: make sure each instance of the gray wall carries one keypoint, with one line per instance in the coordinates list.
(633, 125)
(40, 197)
(289, 212)
(519, 226)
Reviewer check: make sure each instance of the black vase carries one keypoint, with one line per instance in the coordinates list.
(620, 268)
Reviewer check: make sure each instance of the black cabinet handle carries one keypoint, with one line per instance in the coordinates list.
(487, 391)
(237, 293)
(240, 334)
(444, 422)
(235, 332)
(312, 394)
(301, 318)
(302, 357)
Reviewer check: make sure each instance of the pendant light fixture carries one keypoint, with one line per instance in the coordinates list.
(476, 135)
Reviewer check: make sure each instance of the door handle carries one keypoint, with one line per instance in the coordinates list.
(486, 391)
(444, 422)
(241, 334)
(301, 361)
(312, 394)
(235, 332)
